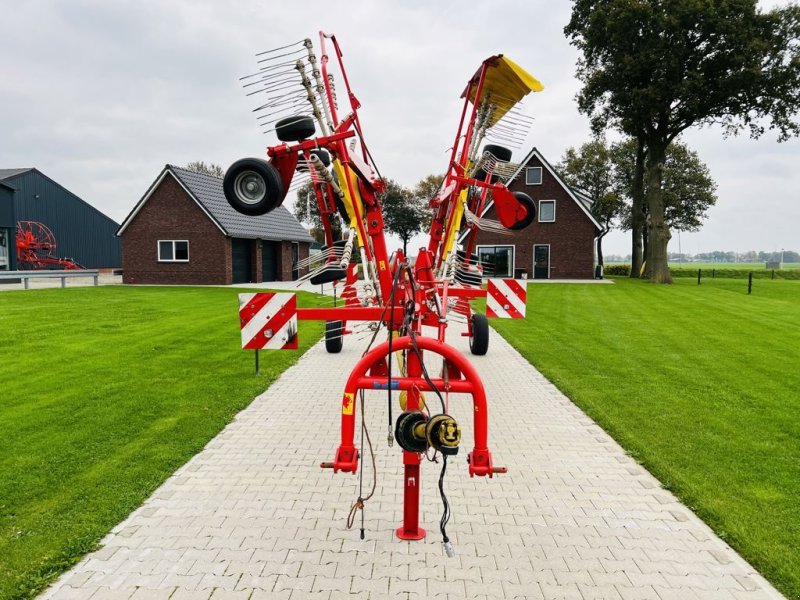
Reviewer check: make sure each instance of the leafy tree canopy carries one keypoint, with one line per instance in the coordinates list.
(198, 166)
(688, 188)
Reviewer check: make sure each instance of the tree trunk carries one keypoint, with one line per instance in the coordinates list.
(637, 212)
(658, 234)
(405, 246)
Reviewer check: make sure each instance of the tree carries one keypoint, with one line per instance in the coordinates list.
(590, 168)
(198, 166)
(688, 188)
(403, 212)
(654, 68)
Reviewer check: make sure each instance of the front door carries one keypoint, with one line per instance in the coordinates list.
(269, 261)
(240, 254)
(541, 261)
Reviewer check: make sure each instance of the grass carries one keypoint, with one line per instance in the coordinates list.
(105, 393)
(700, 384)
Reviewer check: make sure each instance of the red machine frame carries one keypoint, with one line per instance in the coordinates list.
(403, 299)
(36, 247)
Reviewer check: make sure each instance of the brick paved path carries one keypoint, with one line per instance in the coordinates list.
(252, 515)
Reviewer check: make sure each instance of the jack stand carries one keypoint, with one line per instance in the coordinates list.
(411, 463)
(410, 529)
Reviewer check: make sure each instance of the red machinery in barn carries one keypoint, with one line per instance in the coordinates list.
(36, 246)
(394, 293)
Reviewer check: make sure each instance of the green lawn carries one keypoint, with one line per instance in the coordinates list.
(105, 392)
(699, 383)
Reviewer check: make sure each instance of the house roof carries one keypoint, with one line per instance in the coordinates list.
(6, 173)
(206, 190)
(579, 197)
(582, 197)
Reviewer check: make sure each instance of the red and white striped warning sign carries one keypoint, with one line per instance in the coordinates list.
(268, 321)
(505, 299)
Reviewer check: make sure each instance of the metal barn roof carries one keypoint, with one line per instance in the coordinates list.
(6, 173)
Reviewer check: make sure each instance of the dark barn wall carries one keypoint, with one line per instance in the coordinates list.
(8, 225)
(82, 232)
(7, 207)
(171, 214)
(571, 236)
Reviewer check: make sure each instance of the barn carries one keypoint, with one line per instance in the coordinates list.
(561, 241)
(82, 233)
(183, 231)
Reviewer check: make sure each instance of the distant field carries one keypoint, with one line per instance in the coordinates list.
(758, 266)
(105, 392)
(700, 384)
(701, 265)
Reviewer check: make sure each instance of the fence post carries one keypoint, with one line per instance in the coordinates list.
(698, 276)
(713, 273)
(750, 283)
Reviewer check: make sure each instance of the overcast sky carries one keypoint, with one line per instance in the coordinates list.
(99, 95)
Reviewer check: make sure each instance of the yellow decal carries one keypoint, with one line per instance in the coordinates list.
(348, 404)
(382, 265)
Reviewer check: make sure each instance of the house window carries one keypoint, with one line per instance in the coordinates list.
(533, 176)
(547, 211)
(173, 251)
(497, 261)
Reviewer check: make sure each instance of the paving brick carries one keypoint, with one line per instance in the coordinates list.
(253, 515)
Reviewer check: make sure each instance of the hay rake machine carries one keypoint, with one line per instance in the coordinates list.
(390, 294)
(36, 247)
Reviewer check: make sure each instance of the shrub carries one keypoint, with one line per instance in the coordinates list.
(623, 270)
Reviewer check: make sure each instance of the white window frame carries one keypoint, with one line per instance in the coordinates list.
(513, 256)
(549, 261)
(173, 259)
(539, 216)
(541, 175)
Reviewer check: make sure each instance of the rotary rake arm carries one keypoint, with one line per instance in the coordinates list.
(36, 247)
(321, 146)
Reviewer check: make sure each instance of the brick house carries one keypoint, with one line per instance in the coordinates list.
(561, 241)
(183, 231)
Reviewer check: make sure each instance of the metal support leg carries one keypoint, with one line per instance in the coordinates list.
(27, 282)
(411, 467)
(63, 282)
(95, 280)
(411, 483)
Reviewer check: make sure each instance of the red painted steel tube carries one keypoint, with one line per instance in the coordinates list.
(453, 356)
(324, 66)
(410, 530)
(349, 313)
(457, 386)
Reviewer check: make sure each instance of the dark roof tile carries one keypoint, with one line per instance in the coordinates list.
(279, 224)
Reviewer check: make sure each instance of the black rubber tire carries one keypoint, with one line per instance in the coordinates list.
(501, 153)
(479, 340)
(321, 153)
(333, 336)
(253, 186)
(294, 129)
(328, 275)
(530, 207)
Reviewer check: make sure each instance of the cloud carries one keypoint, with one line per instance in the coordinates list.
(100, 95)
